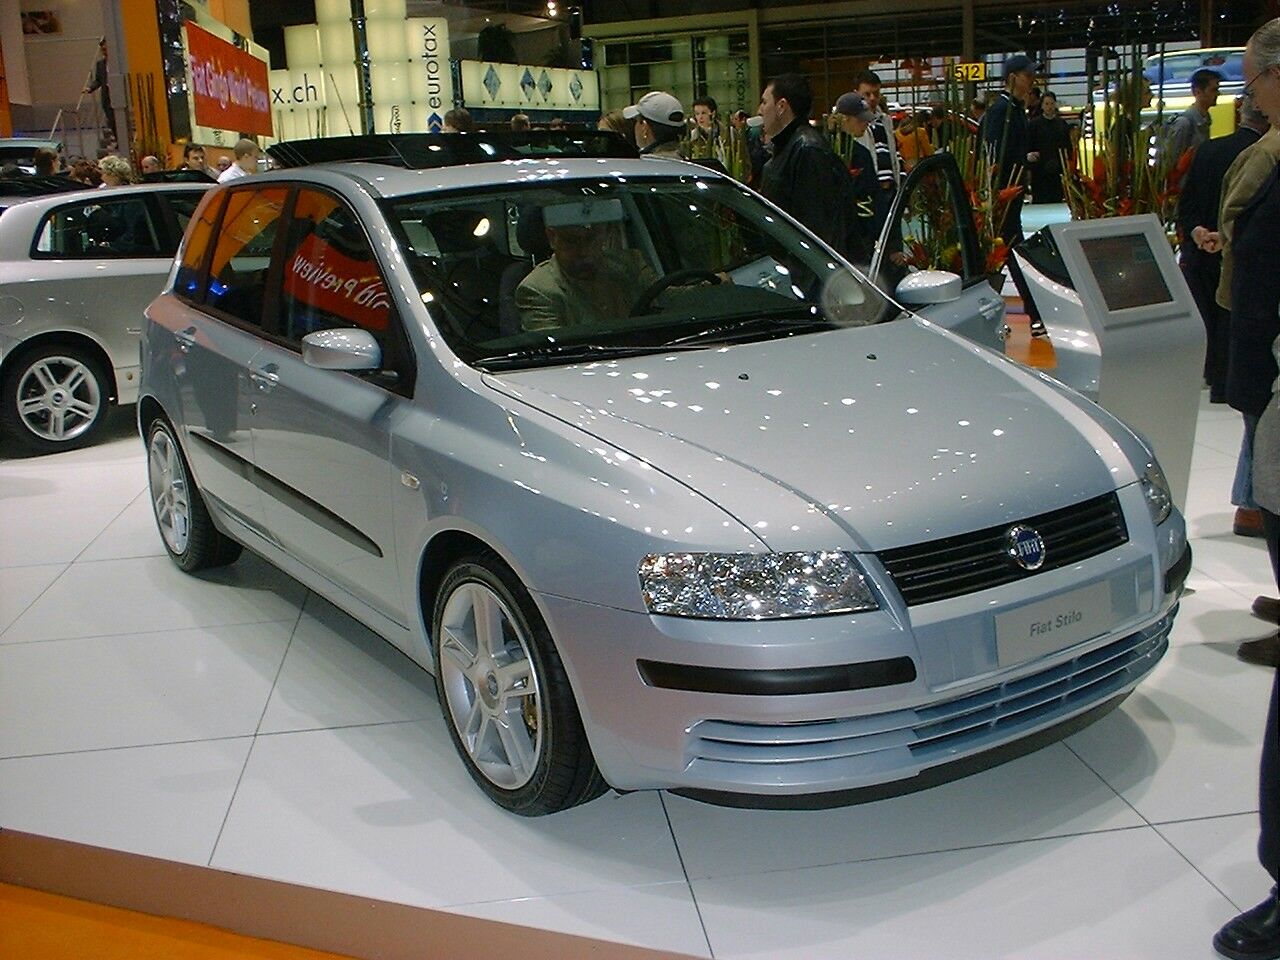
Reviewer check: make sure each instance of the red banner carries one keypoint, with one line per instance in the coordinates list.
(229, 87)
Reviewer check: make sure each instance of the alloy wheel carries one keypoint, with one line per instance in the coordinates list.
(170, 496)
(59, 398)
(491, 688)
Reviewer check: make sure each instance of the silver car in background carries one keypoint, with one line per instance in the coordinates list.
(728, 522)
(76, 272)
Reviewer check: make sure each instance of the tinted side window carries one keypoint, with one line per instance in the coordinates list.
(98, 230)
(330, 277)
(188, 282)
(183, 206)
(242, 252)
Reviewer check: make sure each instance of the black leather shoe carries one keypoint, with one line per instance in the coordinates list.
(1267, 608)
(1254, 935)
(1264, 652)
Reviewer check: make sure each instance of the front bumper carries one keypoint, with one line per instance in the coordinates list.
(885, 725)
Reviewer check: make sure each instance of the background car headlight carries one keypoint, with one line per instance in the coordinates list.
(750, 586)
(1155, 488)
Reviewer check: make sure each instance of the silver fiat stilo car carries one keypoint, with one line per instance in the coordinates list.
(76, 271)
(663, 492)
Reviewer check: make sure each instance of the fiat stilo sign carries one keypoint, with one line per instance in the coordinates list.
(229, 88)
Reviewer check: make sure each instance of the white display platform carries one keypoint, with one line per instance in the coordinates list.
(232, 719)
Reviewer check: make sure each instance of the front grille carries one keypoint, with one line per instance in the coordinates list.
(876, 747)
(954, 566)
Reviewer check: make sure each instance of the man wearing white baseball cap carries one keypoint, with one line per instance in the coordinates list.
(659, 121)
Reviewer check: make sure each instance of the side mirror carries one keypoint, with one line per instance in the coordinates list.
(928, 286)
(342, 349)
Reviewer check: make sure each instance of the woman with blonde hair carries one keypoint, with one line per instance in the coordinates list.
(115, 171)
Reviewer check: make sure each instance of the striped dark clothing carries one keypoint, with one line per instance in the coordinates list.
(884, 159)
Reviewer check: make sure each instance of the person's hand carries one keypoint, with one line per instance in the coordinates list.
(1210, 241)
(1033, 156)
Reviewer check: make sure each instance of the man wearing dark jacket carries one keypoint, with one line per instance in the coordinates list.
(1004, 134)
(100, 83)
(1201, 244)
(855, 115)
(805, 178)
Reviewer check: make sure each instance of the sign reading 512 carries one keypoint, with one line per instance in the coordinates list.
(969, 72)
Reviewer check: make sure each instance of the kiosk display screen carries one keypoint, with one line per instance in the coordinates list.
(1126, 271)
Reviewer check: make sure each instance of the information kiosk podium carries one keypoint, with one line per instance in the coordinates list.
(1126, 331)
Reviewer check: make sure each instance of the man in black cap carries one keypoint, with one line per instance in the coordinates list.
(805, 177)
(1004, 133)
(855, 116)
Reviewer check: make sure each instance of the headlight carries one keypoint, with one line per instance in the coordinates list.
(1155, 488)
(754, 586)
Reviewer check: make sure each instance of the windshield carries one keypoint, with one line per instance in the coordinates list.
(556, 272)
(1178, 67)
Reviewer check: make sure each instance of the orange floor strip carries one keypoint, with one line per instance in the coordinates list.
(61, 900)
(41, 926)
(1032, 351)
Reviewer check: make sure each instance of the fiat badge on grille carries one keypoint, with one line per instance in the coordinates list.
(1025, 547)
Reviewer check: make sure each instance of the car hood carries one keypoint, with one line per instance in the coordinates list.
(885, 435)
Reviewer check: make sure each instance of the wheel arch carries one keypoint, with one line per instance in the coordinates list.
(438, 555)
(148, 409)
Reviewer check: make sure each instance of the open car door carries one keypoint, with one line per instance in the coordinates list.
(931, 227)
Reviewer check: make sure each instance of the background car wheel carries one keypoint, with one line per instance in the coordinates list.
(55, 398)
(505, 697)
(188, 533)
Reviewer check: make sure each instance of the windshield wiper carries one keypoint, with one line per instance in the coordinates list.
(725, 328)
(573, 351)
(748, 324)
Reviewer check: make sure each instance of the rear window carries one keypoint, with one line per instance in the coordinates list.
(242, 252)
(101, 229)
(184, 206)
(188, 283)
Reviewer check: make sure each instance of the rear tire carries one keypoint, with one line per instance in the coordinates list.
(55, 397)
(187, 530)
(504, 693)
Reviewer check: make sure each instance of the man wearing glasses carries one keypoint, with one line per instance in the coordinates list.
(1252, 372)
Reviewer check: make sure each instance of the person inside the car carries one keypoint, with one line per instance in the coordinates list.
(592, 276)
(585, 281)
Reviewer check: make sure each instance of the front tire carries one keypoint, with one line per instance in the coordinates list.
(190, 538)
(55, 398)
(504, 693)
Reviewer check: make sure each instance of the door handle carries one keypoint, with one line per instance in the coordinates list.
(186, 339)
(266, 377)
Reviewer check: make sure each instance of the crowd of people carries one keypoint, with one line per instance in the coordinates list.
(111, 169)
